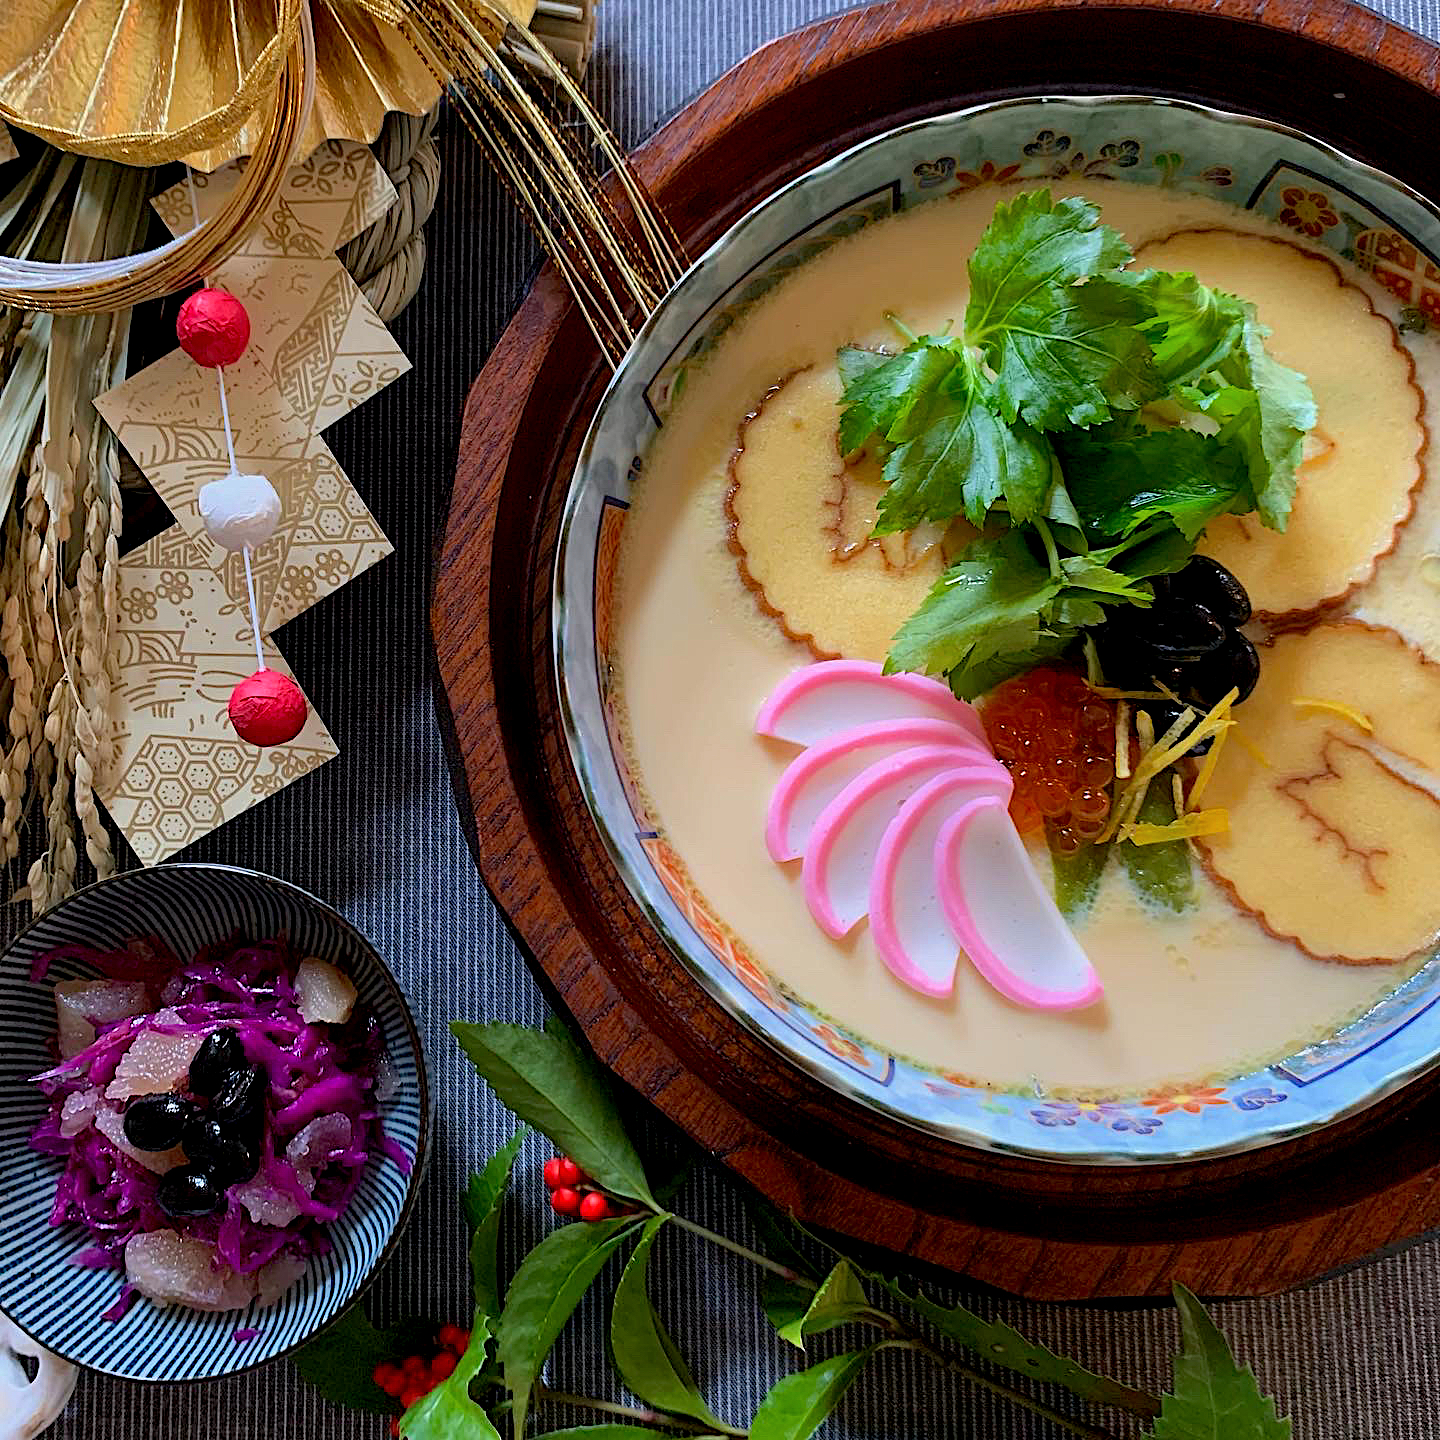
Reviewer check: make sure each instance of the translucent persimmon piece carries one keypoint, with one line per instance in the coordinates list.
(1333, 833)
(1363, 459)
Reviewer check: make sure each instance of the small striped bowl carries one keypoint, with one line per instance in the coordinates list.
(61, 1305)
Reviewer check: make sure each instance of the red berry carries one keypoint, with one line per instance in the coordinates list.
(415, 1367)
(462, 1341)
(552, 1173)
(442, 1367)
(570, 1173)
(594, 1207)
(413, 1396)
(389, 1378)
(565, 1201)
(452, 1337)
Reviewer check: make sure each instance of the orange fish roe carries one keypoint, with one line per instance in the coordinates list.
(1057, 739)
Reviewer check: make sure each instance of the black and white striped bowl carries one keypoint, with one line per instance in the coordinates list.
(60, 1305)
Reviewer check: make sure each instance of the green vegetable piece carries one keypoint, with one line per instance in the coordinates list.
(1012, 657)
(645, 1354)
(840, 1300)
(996, 583)
(1063, 353)
(854, 362)
(1118, 483)
(1077, 876)
(547, 1287)
(785, 1302)
(448, 1412)
(1194, 327)
(1003, 1345)
(964, 459)
(1213, 1398)
(1161, 873)
(882, 398)
(551, 1084)
(801, 1403)
(483, 1201)
(340, 1361)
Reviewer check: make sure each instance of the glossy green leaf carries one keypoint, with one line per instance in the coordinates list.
(645, 1355)
(1005, 1346)
(613, 1432)
(1214, 1397)
(840, 1300)
(551, 1084)
(483, 1201)
(889, 398)
(547, 1287)
(801, 1403)
(448, 1412)
(1194, 327)
(340, 1361)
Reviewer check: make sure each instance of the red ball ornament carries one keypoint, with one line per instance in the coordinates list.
(213, 328)
(268, 708)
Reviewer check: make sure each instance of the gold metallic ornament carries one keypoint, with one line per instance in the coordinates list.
(150, 81)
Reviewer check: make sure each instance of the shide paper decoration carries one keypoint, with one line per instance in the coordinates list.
(317, 349)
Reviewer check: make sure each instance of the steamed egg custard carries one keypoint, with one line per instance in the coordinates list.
(1023, 644)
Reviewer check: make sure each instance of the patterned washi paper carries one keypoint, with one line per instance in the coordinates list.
(182, 643)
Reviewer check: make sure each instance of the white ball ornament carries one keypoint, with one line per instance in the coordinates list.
(240, 511)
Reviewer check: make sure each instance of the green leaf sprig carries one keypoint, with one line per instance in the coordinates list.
(498, 1382)
(1032, 425)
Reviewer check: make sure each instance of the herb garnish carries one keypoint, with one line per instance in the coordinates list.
(1032, 425)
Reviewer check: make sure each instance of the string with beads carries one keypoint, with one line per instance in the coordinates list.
(240, 512)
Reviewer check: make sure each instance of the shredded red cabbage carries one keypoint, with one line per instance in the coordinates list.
(314, 1070)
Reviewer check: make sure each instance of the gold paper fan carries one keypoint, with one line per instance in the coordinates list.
(149, 81)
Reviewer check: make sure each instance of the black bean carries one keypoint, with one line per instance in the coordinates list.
(189, 1191)
(1235, 665)
(1207, 582)
(156, 1122)
(240, 1100)
(220, 1054)
(1176, 633)
(228, 1155)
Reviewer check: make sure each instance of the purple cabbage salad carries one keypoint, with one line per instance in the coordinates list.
(213, 1117)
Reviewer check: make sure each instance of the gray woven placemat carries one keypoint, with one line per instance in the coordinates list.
(376, 832)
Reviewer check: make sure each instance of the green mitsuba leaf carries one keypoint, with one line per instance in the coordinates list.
(645, 1354)
(1003, 1345)
(1120, 482)
(551, 1084)
(978, 676)
(801, 1403)
(963, 460)
(882, 398)
(547, 1287)
(448, 1412)
(840, 1299)
(339, 1362)
(1194, 327)
(1214, 1398)
(996, 583)
(483, 1200)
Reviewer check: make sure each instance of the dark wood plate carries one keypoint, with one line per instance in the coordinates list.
(1241, 1225)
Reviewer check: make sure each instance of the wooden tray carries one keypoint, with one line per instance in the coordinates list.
(1238, 1226)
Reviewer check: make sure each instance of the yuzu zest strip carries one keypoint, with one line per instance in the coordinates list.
(1358, 718)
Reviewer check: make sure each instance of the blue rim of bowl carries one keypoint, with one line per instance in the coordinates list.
(419, 1165)
(958, 1132)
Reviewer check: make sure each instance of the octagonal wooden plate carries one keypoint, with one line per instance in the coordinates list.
(1243, 1225)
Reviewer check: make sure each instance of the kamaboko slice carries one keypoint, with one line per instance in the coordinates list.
(846, 838)
(907, 918)
(820, 700)
(1003, 915)
(817, 775)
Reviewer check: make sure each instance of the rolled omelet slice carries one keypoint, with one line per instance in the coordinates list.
(1334, 827)
(1363, 460)
(800, 527)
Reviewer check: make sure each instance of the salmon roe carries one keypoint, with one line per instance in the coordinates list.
(1057, 739)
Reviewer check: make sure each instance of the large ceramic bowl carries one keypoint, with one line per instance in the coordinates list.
(1360, 213)
(62, 1306)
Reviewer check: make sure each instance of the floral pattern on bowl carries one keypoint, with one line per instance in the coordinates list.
(1366, 217)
